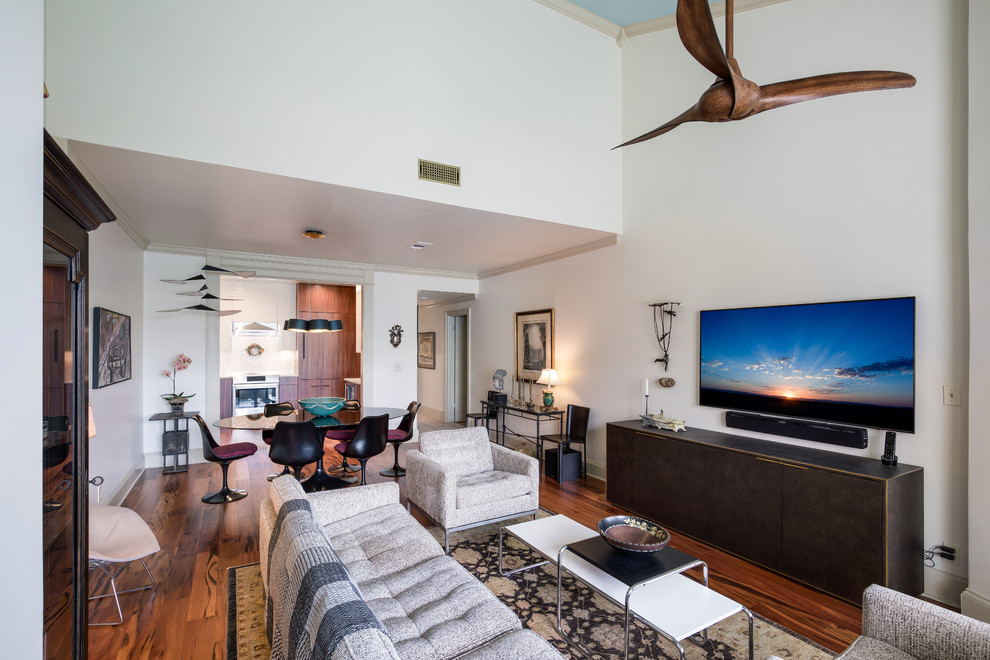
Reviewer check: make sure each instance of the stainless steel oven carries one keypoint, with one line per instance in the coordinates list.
(252, 392)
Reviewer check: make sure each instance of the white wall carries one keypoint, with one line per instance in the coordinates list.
(392, 379)
(853, 197)
(115, 282)
(524, 99)
(976, 598)
(21, 116)
(194, 333)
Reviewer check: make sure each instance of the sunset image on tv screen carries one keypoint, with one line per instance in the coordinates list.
(853, 354)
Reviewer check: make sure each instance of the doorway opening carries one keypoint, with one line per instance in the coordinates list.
(456, 365)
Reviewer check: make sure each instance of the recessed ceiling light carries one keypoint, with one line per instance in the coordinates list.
(419, 245)
(314, 234)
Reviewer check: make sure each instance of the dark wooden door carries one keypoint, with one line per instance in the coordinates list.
(832, 530)
(744, 516)
(680, 484)
(71, 209)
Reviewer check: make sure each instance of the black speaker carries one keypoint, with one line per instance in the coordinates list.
(833, 434)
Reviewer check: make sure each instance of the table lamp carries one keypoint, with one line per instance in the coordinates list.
(548, 378)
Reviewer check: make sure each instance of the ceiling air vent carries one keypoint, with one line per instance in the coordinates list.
(440, 173)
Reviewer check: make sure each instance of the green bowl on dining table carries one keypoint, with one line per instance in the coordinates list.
(322, 406)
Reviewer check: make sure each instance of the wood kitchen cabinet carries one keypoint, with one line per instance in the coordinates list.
(325, 359)
(833, 521)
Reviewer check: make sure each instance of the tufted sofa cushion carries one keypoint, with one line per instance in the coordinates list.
(486, 487)
(430, 605)
(459, 451)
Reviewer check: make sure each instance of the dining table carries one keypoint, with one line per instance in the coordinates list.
(342, 419)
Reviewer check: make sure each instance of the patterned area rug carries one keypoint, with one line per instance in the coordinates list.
(532, 595)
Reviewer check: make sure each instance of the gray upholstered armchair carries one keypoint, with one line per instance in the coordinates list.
(461, 480)
(901, 627)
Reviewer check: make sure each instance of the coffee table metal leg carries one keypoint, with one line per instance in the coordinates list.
(501, 533)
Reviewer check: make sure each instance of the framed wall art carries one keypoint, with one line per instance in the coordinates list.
(534, 343)
(427, 350)
(111, 347)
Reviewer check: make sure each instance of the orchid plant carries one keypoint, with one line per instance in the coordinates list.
(180, 363)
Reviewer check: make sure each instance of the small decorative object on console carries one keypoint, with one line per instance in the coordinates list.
(549, 378)
(498, 379)
(661, 421)
(177, 400)
(632, 534)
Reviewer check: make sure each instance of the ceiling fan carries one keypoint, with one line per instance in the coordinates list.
(732, 97)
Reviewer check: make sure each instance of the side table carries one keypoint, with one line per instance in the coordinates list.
(675, 606)
(174, 441)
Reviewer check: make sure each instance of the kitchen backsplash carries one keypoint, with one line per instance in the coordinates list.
(271, 361)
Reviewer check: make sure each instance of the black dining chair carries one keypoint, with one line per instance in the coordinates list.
(296, 445)
(370, 438)
(401, 434)
(576, 432)
(345, 435)
(276, 410)
(224, 455)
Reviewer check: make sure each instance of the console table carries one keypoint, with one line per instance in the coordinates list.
(176, 441)
(834, 521)
(538, 414)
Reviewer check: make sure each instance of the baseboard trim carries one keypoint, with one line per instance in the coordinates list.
(975, 605)
(124, 489)
(154, 459)
(943, 586)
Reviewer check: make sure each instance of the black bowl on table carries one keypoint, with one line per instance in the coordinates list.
(632, 534)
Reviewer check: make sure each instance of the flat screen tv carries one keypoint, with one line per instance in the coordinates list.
(844, 362)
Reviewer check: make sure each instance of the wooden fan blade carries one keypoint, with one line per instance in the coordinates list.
(790, 92)
(229, 312)
(691, 114)
(696, 27)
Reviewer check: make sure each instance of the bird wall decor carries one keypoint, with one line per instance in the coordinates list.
(732, 97)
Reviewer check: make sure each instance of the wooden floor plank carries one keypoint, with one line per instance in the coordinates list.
(185, 617)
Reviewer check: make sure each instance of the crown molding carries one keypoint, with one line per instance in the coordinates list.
(622, 34)
(582, 15)
(299, 268)
(718, 11)
(123, 220)
(459, 300)
(607, 241)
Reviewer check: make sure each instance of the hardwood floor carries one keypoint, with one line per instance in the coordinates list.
(185, 615)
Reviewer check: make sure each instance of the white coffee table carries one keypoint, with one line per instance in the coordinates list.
(650, 588)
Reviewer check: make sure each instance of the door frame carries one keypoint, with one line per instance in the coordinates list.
(449, 376)
(72, 208)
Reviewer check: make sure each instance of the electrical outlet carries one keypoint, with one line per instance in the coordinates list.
(396, 366)
(958, 548)
(950, 395)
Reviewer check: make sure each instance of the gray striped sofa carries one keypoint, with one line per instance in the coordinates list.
(350, 574)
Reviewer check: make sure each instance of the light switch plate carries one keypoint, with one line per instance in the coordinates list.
(950, 395)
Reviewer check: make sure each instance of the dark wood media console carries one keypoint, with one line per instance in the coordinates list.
(833, 521)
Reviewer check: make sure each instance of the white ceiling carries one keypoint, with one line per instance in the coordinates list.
(189, 204)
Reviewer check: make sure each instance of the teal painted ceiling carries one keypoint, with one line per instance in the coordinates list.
(628, 12)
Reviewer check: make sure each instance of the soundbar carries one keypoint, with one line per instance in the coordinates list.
(833, 434)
